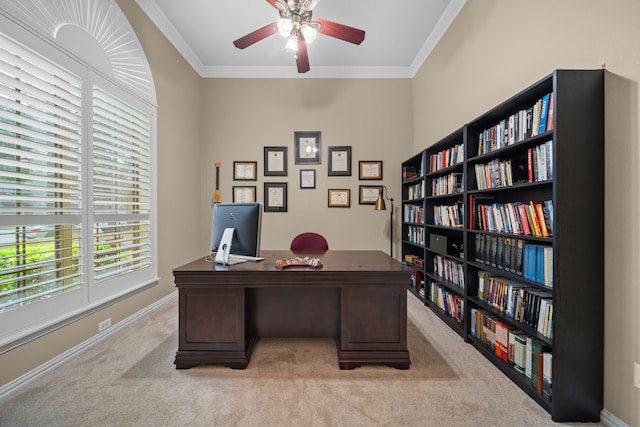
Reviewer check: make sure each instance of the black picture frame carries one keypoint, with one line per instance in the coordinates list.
(369, 194)
(275, 161)
(243, 194)
(370, 169)
(307, 179)
(275, 196)
(339, 161)
(307, 148)
(245, 171)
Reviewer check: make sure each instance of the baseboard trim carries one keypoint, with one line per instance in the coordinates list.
(36, 373)
(610, 420)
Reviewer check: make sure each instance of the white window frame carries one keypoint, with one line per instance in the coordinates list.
(26, 323)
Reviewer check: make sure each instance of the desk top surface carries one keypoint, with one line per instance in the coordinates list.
(332, 261)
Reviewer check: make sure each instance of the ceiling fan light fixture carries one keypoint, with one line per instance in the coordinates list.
(309, 33)
(285, 26)
(292, 43)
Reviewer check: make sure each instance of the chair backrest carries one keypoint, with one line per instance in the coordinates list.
(309, 242)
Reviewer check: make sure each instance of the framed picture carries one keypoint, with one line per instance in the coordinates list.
(340, 161)
(369, 194)
(370, 169)
(244, 194)
(307, 148)
(275, 161)
(307, 178)
(275, 196)
(245, 171)
(339, 198)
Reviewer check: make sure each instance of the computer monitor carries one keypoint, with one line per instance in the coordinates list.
(246, 219)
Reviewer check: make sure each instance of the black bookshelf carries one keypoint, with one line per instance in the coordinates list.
(565, 157)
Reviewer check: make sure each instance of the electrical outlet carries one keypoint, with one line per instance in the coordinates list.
(104, 325)
(636, 375)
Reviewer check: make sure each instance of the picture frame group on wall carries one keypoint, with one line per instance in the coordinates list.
(339, 161)
(306, 148)
(275, 161)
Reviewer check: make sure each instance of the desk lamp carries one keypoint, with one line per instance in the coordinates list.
(381, 206)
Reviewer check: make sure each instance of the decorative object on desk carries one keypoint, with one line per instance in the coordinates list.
(296, 26)
(217, 195)
(369, 194)
(244, 194)
(382, 206)
(340, 161)
(244, 171)
(370, 169)
(298, 262)
(309, 241)
(339, 198)
(307, 178)
(275, 161)
(275, 196)
(306, 148)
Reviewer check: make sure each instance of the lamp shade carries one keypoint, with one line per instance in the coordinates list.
(380, 204)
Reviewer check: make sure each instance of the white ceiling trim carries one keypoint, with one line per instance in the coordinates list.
(167, 28)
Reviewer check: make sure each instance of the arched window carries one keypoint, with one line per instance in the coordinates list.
(77, 155)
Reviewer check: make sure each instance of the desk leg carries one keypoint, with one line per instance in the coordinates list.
(212, 328)
(373, 328)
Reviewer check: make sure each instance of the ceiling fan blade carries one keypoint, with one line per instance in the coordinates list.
(302, 56)
(256, 36)
(339, 31)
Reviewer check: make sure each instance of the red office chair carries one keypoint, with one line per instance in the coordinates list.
(309, 242)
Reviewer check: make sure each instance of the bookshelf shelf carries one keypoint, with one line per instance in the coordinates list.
(524, 166)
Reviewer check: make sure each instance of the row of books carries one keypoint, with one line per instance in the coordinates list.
(538, 264)
(540, 162)
(449, 302)
(527, 355)
(449, 215)
(526, 218)
(415, 191)
(524, 124)
(417, 281)
(449, 270)
(500, 173)
(446, 158)
(411, 172)
(531, 306)
(415, 235)
(532, 261)
(447, 184)
(413, 213)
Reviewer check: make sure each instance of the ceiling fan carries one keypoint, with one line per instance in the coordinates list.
(296, 25)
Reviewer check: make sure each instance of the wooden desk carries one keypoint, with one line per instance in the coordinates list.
(358, 298)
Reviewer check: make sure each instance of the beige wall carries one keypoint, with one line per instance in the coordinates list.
(372, 116)
(496, 48)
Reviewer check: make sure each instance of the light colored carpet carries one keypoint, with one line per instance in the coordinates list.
(129, 380)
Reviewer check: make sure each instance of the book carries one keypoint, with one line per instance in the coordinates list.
(550, 117)
(547, 359)
(519, 361)
(502, 340)
(544, 109)
(536, 349)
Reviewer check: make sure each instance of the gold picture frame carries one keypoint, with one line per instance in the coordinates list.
(339, 198)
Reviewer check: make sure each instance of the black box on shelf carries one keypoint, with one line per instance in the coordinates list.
(438, 243)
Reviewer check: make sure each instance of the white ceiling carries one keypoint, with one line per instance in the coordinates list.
(399, 36)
